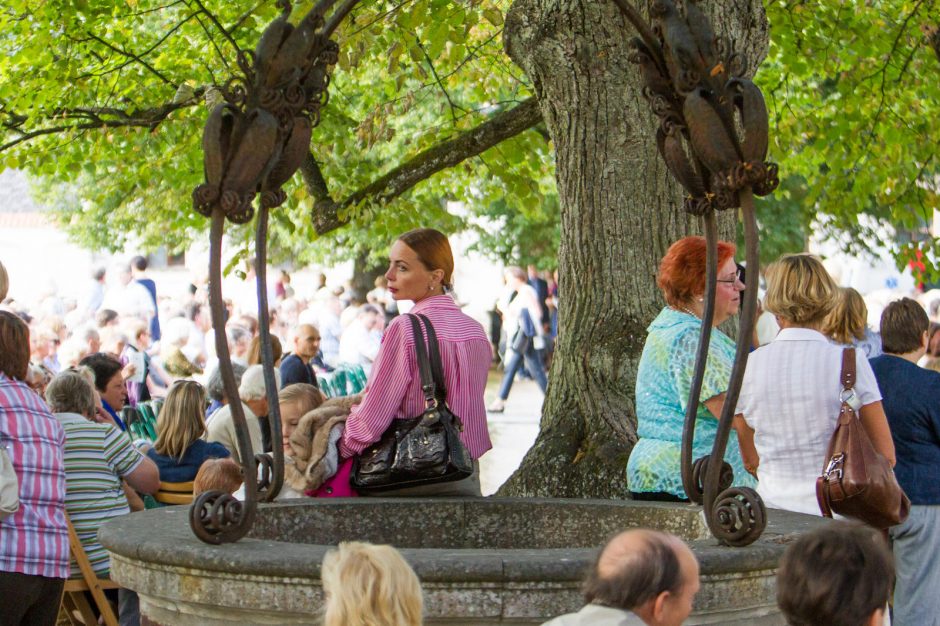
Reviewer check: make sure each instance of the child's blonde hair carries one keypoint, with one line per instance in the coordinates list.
(367, 585)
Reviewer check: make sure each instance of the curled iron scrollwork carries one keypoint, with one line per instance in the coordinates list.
(218, 517)
(740, 516)
(700, 470)
(713, 138)
(253, 142)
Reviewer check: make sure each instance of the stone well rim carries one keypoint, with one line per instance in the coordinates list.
(163, 537)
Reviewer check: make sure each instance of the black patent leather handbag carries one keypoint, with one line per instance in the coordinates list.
(422, 450)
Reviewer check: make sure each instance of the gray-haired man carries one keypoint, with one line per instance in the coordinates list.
(640, 577)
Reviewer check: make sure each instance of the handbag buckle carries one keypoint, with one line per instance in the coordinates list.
(834, 466)
(848, 396)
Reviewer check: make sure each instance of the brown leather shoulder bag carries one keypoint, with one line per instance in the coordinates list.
(856, 480)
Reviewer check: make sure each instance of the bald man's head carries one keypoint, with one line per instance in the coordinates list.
(651, 573)
(306, 342)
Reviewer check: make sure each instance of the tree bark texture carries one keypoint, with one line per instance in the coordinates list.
(620, 211)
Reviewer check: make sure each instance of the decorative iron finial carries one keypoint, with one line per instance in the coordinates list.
(253, 142)
(713, 136)
(692, 80)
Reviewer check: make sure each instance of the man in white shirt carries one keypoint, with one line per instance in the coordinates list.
(221, 424)
(640, 577)
(331, 330)
(360, 342)
(200, 322)
(129, 298)
(239, 342)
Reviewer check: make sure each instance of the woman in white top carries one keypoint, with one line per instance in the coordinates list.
(790, 396)
(520, 343)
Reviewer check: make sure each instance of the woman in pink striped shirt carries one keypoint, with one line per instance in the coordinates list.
(34, 541)
(420, 269)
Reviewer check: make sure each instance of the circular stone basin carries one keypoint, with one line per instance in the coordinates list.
(481, 561)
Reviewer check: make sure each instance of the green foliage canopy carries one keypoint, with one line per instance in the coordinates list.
(853, 89)
(104, 102)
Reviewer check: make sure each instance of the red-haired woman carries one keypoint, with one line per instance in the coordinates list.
(666, 367)
(420, 269)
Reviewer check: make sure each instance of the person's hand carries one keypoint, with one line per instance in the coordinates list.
(129, 370)
(103, 417)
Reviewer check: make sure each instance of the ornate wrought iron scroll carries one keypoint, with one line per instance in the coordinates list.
(713, 136)
(253, 143)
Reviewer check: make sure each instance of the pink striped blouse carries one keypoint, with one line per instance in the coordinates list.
(394, 387)
(35, 539)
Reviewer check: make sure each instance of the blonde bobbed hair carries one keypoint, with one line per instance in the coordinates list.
(369, 585)
(848, 318)
(181, 420)
(799, 289)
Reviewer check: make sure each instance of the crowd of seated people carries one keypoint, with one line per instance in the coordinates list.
(64, 422)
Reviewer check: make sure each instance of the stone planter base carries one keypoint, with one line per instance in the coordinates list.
(480, 561)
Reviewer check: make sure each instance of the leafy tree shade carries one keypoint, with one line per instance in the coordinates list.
(854, 91)
(783, 219)
(105, 103)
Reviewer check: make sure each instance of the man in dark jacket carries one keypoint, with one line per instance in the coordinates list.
(297, 367)
(911, 399)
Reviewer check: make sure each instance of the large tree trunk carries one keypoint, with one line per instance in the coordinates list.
(620, 210)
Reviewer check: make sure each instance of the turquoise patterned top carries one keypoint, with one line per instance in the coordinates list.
(662, 394)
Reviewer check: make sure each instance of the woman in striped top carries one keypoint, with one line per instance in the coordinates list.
(421, 267)
(97, 458)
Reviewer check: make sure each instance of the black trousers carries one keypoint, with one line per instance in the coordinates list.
(29, 600)
(656, 496)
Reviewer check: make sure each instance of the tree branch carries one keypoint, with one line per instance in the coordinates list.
(218, 25)
(450, 101)
(471, 143)
(313, 178)
(92, 118)
(139, 59)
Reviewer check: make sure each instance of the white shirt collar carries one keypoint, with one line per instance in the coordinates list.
(800, 334)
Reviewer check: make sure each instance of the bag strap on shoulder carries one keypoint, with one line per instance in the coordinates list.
(848, 368)
(437, 364)
(424, 367)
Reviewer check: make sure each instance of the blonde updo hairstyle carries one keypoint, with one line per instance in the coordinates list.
(368, 585)
(848, 318)
(800, 290)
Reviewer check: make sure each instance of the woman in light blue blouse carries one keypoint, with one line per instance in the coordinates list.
(666, 367)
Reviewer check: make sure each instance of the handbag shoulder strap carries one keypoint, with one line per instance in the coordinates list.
(848, 368)
(437, 364)
(424, 367)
